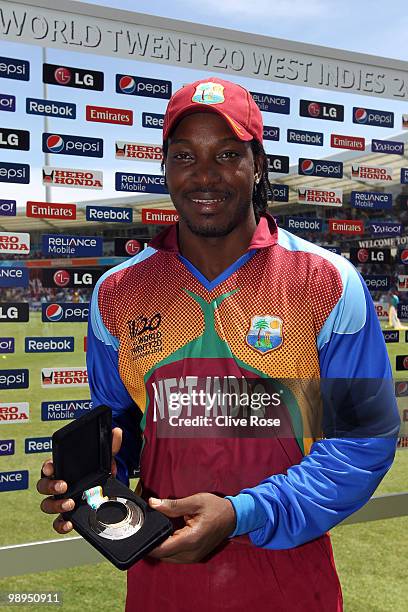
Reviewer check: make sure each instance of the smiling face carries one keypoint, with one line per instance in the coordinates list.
(210, 176)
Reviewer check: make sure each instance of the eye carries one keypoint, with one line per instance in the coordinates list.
(228, 155)
(182, 155)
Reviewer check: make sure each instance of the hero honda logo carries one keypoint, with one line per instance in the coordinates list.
(64, 377)
(321, 110)
(72, 177)
(17, 411)
(69, 144)
(316, 167)
(68, 76)
(140, 86)
(18, 243)
(65, 313)
(369, 116)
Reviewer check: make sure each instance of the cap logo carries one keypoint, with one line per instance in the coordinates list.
(209, 93)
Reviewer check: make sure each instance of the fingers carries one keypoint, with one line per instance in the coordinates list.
(176, 507)
(50, 505)
(47, 485)
(62, 526)
(116, 440)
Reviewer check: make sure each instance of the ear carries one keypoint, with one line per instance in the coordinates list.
(259, 164)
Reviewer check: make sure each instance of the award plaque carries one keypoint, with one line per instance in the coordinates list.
(118, 523)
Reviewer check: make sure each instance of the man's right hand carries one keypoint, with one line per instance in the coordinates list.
(47, 485)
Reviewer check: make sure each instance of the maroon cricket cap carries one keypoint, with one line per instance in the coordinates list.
(231, 101)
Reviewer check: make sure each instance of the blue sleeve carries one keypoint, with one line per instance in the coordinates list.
(343, 470)
(107, 388)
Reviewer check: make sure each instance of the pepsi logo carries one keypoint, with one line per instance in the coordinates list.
(132, 247)
(314, 109)
(307, 166)
(360, 115)
(61, 278)
(127, 84)
(404, 256)
(362, 255)
(62, 75)
(54, 312)
(55, 143)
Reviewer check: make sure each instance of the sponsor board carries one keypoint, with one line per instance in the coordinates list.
(305, 137)
(17, 244)
(58, 245)
(7, 345)
(19, 140)
(67, 312)
(105, 114)
(403, 313)
(13, 379)
(402, 282)
(352, 143)
(8, 208)
(47, 210)
(278, 163)
(401, 388)
(279, 192)
(387, 146)
(52, 344)
(377, 282)
(70, 76)
(401, 362)
(64, 409)
(305, 224)
(72, 177)
(146, 183)
(382, 310)
(384, 228)
(125, 247)
(404, 176)
(14, 312)
(320, 197)
(7, 103)
(75, 277)
(270, 103)
(50, 108)
(7, 447)
(139, 151)
(346, 226)
(371, 199)
(369, 116)
(371, 174)
(14, 173)
(403, 256)
(13, 481)
(38, 445)
(70, 144)
(64, 377)
(159, 216)
(331, 248)
(362, 256)
(390, 335)
(13, 68)
(271, 132)
(152, 120)
(404, 121)
(13, 276)
(85, 343)
(322, 168)
(141, 86)
(321, 110)
(109, 214)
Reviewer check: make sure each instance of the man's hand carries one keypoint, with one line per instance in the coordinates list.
(47, 485)
(209, 520)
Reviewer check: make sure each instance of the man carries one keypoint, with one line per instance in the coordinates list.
(251, 513)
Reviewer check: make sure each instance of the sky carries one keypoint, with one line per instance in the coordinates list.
(366, 26)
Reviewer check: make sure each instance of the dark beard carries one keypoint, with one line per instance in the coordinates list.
(212, 231)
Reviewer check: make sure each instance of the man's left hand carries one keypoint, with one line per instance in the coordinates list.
(209, 520)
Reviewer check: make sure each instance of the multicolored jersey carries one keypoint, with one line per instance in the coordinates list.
(286, 310)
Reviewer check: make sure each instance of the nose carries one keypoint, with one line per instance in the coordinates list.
(206, 172)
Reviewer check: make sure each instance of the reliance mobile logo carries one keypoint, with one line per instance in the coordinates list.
(12, 68)
(64, 377)
(64, 409)
(387, 146)
(65, 313)
(146, 183)
(14, 379)
(373, 174)
(18, 243)
(353, 143)
(316, 167)
(369, 116)
(45, 210)
(8, 208)
(320, 197)
(14, 481)
(13, 276)
(50, 108)
(371, 199)
(69, 144)
(140, 86)
(7, 103)
(14, 173)
(68, 76)
(72, 177)
(139, 151)
(58, 245)
(270, 103)
(13, 412)
(404, 176)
